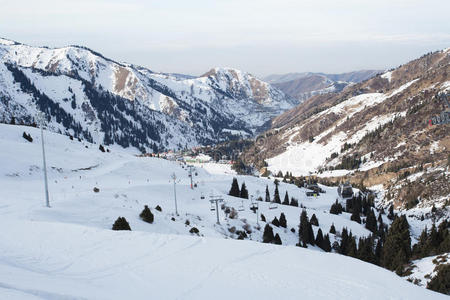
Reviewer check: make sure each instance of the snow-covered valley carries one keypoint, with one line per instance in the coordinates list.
(69, 251)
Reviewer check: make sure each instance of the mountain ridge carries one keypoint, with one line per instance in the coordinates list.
(208, 109)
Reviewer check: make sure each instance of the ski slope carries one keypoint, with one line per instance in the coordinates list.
(69, 252)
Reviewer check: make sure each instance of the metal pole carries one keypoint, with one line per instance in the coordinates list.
(217, 211)
(47, 201)
(174, 177)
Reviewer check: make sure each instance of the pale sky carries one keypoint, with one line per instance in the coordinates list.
(259, 36)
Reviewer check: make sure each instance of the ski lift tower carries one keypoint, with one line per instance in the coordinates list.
(174, 179)
(41, 119)
(216, 200)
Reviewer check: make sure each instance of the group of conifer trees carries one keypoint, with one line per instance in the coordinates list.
(433, 242)
(306, 233)
(277, 199)
(236, 192)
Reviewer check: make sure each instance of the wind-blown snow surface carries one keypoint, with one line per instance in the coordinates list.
(69, 252)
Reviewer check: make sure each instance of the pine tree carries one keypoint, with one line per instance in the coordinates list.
(310, 234)
(371, 221)
(355, 216)
(244, 192)
(294, 202)
(283, 222)
(441, 282)
(121, 224)
(326, 243)
(286, 199)
(268, 234)
(319, 239)
(303, 229)
(343, 247)
(391, 212)
(351, 251)
(275, 222)
(276, 195)
(234, 191)
(267, 194)
(378, 251)
(336, 208)
(146, 215)
(397, 247)
(277, 239)
(263, 218)
(433, 239)
(314, 221)
(332, 229)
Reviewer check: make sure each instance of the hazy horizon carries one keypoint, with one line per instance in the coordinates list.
(261, 37)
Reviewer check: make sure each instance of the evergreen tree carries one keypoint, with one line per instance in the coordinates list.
(351, 251)
(433, 239)
(121, 224)
(234, 191)
(397, 247)
(314, 221)
(336, 208)
(319, 239)
(277, 239)
(286, 199)
(268, 234)
(420, 249)
(378, 251)
(441, 282)
(355, 216)
(276, 195)
(326, 243)
(391, 212)
(294, 202)
(283, 222)
(267, 194)
(303, 229)
(263, 218)
(275, 222)
(371, 221)
(343, 247)
(146, 215)
(365, 250)
(332, 229)
(310, 234)
(244, 192)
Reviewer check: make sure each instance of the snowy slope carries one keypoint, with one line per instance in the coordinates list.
(69, 252)
(78, 262)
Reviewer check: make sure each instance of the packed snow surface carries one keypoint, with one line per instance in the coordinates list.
(69, 251)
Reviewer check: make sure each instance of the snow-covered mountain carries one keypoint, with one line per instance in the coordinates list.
(86, 94)
(68, 251)
(374, 132)
(303, 86)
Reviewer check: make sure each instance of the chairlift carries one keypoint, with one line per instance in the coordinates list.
(241, 207)
(213, 206)
(202, 196)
